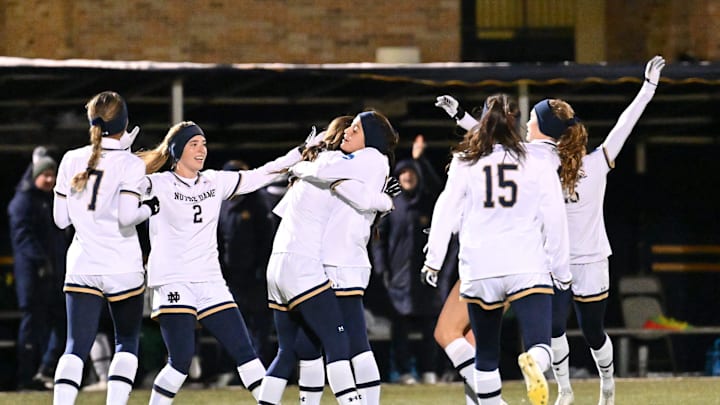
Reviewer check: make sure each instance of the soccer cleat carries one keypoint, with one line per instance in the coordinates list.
(535, 382)
(565, 398)
(607, 397)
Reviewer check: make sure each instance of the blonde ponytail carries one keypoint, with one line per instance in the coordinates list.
(79, 181)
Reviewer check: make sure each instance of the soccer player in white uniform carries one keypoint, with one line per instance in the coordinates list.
(346, 263)
(183, 267)
(299, 289)
(513, 244)
(590, 248)
(98, 192)
(584, 188)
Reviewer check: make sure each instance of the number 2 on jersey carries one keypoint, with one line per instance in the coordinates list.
(96, 186)
(502, 183)
(198, 210)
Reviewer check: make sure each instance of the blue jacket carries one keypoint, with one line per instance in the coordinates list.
(39, 247)
(397, 253)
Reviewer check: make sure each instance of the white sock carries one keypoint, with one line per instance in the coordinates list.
(342, 382)
(251, 375)
(271, 390)
(604, 362)
(121, 376)
(542, 354)
(462, 356)
(561, 362)
(311, 381)
(101, 354)
(166, 385)
(367, 378)
(488, 386)
(68, 377)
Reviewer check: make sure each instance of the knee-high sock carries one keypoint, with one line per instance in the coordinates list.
(488, 387)
(542, 355)
(251, 375)
(561, 362)
(462, 356)
(166, 385)
(68, 377)
(342, 382)
(604, 362)
(311, 381)
(367, 378)
(271, 390)
(121, 376)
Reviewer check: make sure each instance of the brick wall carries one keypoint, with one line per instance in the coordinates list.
(227, 31)
(314, 31)
(679, 28)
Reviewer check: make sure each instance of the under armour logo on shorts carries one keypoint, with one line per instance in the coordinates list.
(341, 329)
(173, 296)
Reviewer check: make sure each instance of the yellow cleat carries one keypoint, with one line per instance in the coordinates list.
(535, 382)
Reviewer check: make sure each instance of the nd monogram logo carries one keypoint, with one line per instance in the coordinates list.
(173, 297)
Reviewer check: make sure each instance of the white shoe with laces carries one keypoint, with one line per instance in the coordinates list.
(565, 398)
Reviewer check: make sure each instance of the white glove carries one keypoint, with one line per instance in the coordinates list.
(313, 138)
(429, 276)
(127, 139)
(562, 285)
(653, 69)
(451, 106)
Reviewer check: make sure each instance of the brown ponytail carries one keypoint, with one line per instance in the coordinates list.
(497, 125)
(571, 147)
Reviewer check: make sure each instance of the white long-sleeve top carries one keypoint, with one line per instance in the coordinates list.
(333, 226)
(586, 222)
(104, 213)
(516, 225)
(183, 235)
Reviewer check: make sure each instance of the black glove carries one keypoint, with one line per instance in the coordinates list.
(154, 205)
(392, 187)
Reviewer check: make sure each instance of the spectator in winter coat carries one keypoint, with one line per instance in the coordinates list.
(39, 266)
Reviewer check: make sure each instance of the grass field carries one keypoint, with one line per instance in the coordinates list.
(650, 391)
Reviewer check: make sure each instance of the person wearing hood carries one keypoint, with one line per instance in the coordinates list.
(397, 253)
(39, 268)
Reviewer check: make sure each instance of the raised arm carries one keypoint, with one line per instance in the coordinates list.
(454, 110)
(622, 129)
(251, 180)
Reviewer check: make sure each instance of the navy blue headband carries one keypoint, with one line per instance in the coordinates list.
(115, 125)
(374, 132)
(549, 123)
(178, 142)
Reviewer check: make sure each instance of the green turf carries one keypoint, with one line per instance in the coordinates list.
(664, 391)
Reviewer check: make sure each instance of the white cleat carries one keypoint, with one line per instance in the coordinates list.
(607, 397)
(565, 398)
(535, 382)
